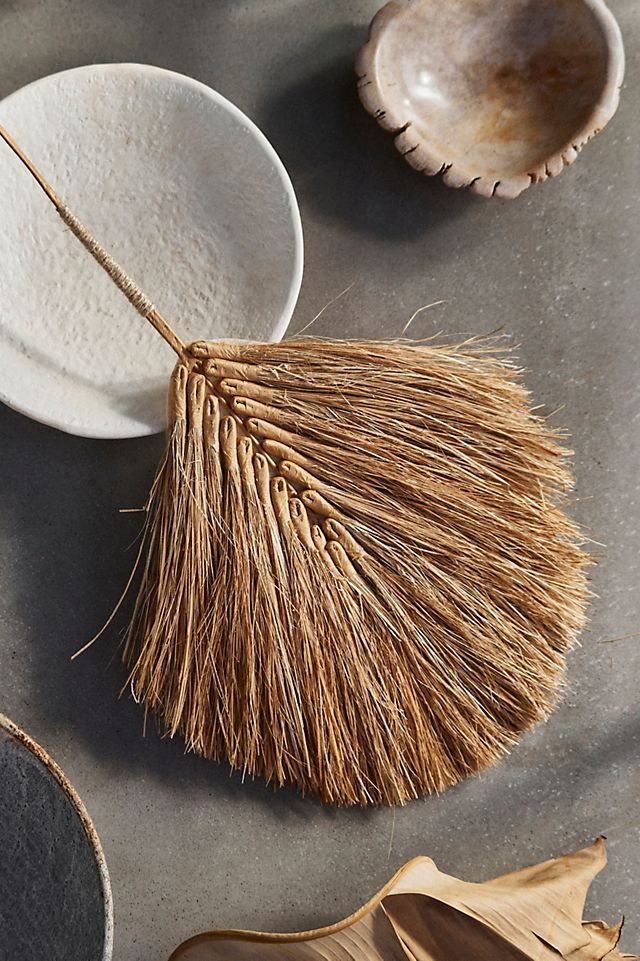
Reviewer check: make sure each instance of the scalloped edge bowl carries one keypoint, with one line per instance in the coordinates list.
(395, 57)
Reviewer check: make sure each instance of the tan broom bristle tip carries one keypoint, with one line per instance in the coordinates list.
(359, 577)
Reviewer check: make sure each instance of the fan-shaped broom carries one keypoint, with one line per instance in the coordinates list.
(358, 576)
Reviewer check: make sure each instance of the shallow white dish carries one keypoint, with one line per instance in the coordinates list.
(184, 191)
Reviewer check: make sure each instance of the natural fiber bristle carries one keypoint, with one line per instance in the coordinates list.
(359, 578)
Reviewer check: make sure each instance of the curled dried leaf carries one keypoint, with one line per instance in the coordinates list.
(425, 915)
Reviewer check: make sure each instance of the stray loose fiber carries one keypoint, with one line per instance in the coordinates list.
(358, 576)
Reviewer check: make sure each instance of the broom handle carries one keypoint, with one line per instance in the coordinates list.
(131, 291)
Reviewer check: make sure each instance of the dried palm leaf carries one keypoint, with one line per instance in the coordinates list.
(424, 915)
(359, 577)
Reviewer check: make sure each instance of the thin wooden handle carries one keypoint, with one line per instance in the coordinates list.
(120, 278)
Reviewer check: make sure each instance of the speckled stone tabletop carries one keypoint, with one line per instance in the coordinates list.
(190, 847)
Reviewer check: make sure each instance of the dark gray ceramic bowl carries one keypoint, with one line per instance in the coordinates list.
(55, 897)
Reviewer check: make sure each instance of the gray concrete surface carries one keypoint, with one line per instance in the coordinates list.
(190, 847)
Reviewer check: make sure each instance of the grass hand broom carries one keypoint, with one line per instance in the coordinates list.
(357, 576)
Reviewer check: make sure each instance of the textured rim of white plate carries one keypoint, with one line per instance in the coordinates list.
(280, 328)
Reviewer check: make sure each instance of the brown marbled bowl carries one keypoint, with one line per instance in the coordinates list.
(494, 94)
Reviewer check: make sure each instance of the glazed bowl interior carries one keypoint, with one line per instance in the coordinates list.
(495, 88)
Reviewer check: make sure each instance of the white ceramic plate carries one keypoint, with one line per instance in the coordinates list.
(184, 191)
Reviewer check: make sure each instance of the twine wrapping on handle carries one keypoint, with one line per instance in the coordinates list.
(121, 279)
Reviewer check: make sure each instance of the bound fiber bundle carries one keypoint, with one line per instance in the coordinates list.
(358, 576)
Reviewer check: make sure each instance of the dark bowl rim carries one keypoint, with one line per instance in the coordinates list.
(16, 732)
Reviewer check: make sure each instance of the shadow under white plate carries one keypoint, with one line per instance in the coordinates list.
(187, 195)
